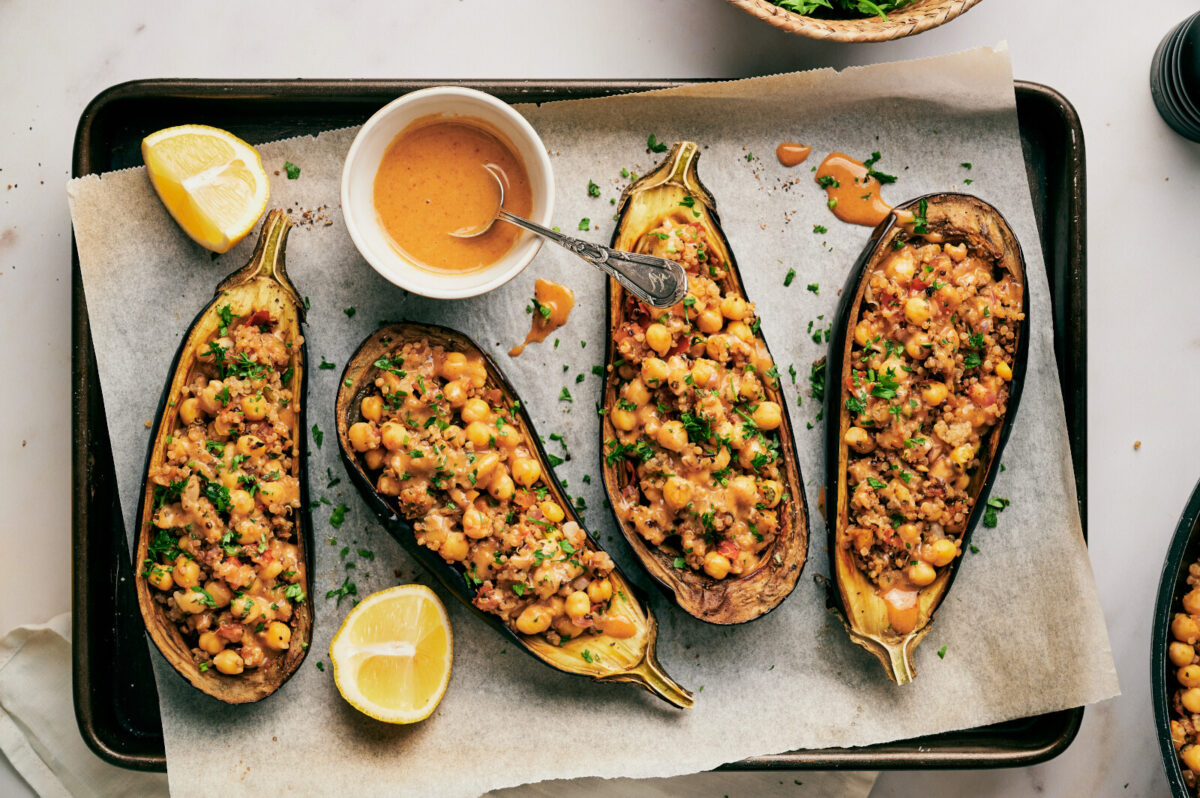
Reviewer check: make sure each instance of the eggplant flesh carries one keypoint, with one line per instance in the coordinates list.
(673, 195)
(891, 629)
(259, 293)
(601, 657)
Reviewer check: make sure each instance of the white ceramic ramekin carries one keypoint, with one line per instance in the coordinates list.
(358, 182)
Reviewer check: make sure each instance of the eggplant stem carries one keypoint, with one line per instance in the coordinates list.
(651, 675)
(681, 162)
(268, 262)
(900, 666)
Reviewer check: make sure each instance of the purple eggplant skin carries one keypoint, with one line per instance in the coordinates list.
(357, 381)
(955, 216)
(266, 266)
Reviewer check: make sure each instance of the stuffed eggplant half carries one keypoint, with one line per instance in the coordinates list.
(225, 542)
(438, 444)
(925, 371)
(698, 456)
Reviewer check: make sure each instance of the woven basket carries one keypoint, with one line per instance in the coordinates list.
(919, 16)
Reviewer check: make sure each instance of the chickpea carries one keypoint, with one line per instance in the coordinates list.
(209, 401)
(917, 310)
(1189, 675)
(654, 372)
(277, 636)
(502, 487)
(957, 252)
(623, 419)
(909, 533)
(186, 572)
(190, 601)
(372, 408)
(702, 373)
(710, 321)
(160, 577)
(1191, 701)
(677, 492)
(599, 590)
(393, 436)
(963, 454)
(859, 440)
(247, 609)
(772, 493)
(740, 330)
(454, 547)
(476, 410)
(487, 467)
(229, 662)
(1191, 602)
(220, 592)
(1190, 757)
(657, 338)
(901, 266)
(270, 570)
(211, 643)
(942, 552)
(363, 437)
(916, 346)
(189, 410)
(508, 437)
(526, 471)
(721, 459)
(636, 391)
(734, 308)
(475, 524)
(935, 393)
(479, 434)
(921, 574)
(454, 365)
(717, 347)
(767, 415)
(716, 565)
(743, 489)
(567, 628)
(554, 514)
(533, 620)
(250, 445)
(454, 435)
(272, 493)
(388, 486)
(671, 435)
(1181, 654)
(863, 332)
(241, 502)
(578, 605)
(254, 408)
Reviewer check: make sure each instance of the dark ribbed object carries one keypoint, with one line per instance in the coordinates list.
(1175, 78)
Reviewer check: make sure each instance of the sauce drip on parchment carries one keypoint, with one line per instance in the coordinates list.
(557, 301)
(852, 193)
(791, 153)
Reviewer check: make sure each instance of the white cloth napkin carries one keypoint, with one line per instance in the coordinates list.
(39, 736)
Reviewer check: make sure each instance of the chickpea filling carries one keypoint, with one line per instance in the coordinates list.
(696, 422)
(454, 454)
(1185, 701)
(223, 560)
(931, 365)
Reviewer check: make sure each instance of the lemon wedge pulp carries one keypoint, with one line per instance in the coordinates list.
(212, 182)
(392, 656)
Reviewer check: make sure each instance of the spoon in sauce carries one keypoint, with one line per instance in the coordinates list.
(659, 282)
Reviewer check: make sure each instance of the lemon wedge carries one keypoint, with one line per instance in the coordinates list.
(391, 658)
(212, 182)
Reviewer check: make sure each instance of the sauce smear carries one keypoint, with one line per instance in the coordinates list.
(791, 153)
(431, 183)
(903, 609)
(557, 301)
(853, 194)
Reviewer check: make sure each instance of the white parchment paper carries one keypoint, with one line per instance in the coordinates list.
(1022, 630)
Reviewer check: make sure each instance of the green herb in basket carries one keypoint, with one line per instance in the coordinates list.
(842, 8)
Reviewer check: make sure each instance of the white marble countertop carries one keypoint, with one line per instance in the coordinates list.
(1144, 192)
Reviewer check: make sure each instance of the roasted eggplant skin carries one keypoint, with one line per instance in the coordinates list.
(357, 380)
(266, 264)
(953, 216)
(731, 600)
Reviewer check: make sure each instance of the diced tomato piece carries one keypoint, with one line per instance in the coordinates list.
(728, 548)
(231, 631)
(258, 317)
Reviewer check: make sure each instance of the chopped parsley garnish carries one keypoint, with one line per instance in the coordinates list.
(338, 516)
(920, 222)
(348, 588)
(941, 652)
(326, 365)
(994, 506)
(791, 275)
(294, 593)
(820, 229)
(880, 176)
(292, 170)
(815, 288)
(565, 395)
(585, 224)
(680, 563)
(317, 435)
(227, 317)
(593, 189)
(654, 145)
(350, 312)
(876, 484)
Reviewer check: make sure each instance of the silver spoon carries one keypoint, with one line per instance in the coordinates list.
(658, 282)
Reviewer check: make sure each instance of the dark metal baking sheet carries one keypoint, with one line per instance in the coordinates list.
(116, 704)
